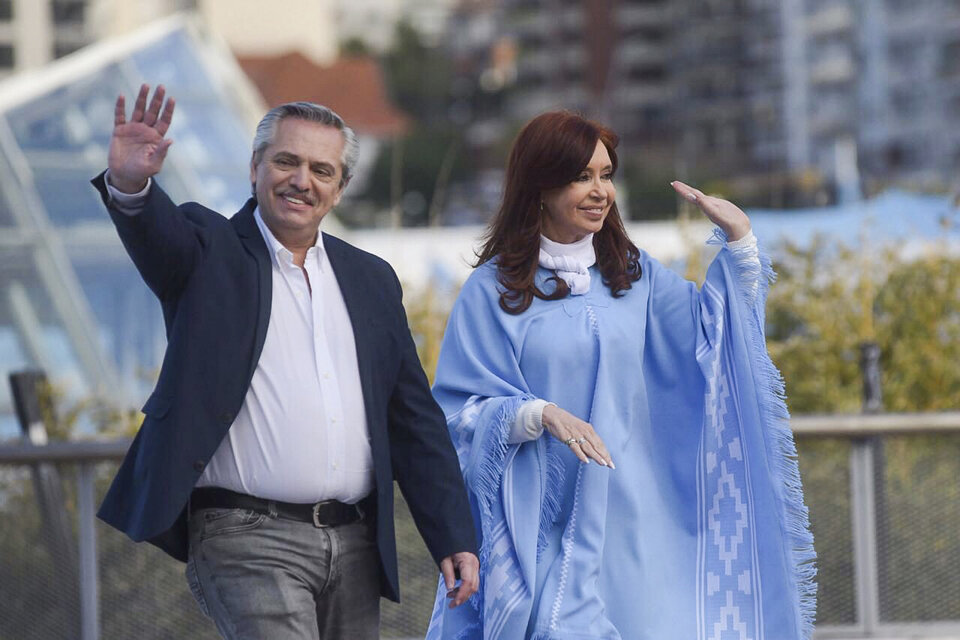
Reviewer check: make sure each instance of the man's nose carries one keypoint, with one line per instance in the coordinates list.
(300, 178)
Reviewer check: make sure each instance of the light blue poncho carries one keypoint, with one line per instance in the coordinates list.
(700, 532)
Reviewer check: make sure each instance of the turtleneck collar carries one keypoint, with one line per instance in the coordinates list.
(581, 250)
(571, 262)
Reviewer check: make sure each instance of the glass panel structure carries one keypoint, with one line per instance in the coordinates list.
(72, 303)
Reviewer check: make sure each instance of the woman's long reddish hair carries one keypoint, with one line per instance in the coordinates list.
(550, 152)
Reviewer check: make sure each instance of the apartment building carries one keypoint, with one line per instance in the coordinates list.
(823, 95)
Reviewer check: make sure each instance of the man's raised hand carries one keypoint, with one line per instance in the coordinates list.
(138, 146)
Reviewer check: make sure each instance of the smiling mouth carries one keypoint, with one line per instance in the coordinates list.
(594, 210)
(296, 200)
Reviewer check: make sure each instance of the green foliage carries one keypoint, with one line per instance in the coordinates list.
(918, 326)
(427, 313)
(418, 76)
(649, 195)
(422, 156)
(830, 298)
(412, 172)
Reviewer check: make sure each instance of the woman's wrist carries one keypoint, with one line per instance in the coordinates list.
(737, 232)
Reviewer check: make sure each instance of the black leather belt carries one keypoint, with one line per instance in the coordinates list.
(329, 513)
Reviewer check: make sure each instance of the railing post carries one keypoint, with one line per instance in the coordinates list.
(864, 499)
(863, 521)
(26, 387)
(87, 535)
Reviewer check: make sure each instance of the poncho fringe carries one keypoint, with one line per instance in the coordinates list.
(771, 395)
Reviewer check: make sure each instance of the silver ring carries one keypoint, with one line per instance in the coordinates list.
(569, 441)
(581, 440)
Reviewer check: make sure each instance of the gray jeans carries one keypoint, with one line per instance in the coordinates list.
(258, 576)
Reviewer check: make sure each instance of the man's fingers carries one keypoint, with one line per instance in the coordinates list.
(470, 573)
(141, 104)
(469, 568)
(120, 112)
(153, 111)
(162, 148)
(166, 117)
(446, 568)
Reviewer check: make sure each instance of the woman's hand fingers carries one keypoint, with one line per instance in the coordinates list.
(594, 447)
(576, 434)
(685, 190)
(722, 213)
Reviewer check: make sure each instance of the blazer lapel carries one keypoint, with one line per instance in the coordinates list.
(252, 240)
(354, 289)
(353, 297)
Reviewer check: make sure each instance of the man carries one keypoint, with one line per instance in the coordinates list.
(290, 395)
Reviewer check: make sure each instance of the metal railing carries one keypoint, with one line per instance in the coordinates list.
(877, 524)
(872, 466)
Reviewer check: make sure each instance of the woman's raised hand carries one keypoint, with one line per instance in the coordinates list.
(577, 434)
(722, 213)
(138, 146)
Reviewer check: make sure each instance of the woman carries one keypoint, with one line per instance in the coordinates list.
(623, 436)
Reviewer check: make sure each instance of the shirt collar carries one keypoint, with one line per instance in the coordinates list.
(279, 254)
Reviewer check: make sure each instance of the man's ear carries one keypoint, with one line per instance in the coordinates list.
(343, 187)
(253, 168)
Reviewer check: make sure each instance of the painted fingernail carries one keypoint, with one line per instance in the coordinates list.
(612, 466)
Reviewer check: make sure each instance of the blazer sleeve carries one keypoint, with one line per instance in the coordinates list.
(163, 244)
(424, 461)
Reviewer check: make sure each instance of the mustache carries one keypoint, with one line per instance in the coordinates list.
(300, 195)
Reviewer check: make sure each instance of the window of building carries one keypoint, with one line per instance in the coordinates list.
(6, 9)
(68, 11)
(6, 56)
(950, 59)
(648, 74)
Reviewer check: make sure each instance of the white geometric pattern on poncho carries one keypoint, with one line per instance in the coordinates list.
(727, 547)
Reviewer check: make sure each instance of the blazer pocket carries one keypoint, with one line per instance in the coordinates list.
(157, 405)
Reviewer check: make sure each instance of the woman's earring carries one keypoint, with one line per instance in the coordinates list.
(541, 206)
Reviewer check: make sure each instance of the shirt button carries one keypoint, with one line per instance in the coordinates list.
(335, 466)
(226, 418)
(326, 376)
(333, 420)
(198, 465)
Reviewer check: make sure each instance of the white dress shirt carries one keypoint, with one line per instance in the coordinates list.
(301, 434)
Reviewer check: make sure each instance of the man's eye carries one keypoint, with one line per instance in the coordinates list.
(283, 162)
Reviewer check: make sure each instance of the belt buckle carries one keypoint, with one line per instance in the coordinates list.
(316, 516)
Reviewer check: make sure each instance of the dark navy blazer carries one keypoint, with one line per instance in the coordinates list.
(213, 278)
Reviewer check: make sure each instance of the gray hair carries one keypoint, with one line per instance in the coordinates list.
(311, 112)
